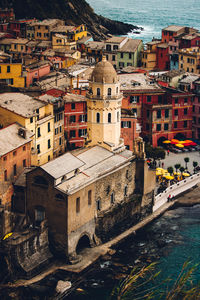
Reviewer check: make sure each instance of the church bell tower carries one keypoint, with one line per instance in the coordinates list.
(104, 108)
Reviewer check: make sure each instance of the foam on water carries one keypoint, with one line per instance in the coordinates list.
(152, 15)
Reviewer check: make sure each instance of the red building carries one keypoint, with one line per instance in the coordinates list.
(75, 120)
(190, 40)
(6, 15)
(171, 118)
(130, 128)
(15, 155)
(162, 57)
(174, 30)
(18, 27)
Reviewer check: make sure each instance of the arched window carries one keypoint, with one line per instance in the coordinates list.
(117, 89)
(40, 181)
(98, 92)
(112, 197)
(125, 190)
(98, 117)
(109, 91)
(118, 116)
(109, 117)
(98, 204)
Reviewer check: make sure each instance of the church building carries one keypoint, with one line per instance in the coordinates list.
(88, 194)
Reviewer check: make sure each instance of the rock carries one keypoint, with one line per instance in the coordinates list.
(62, 286)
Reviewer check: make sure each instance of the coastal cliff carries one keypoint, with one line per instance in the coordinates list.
(74, 12)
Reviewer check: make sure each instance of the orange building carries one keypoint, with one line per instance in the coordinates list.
(15, 155)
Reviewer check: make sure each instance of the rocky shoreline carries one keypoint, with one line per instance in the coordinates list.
(74, 12)
(114, 264)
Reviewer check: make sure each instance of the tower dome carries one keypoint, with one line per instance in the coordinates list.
(104, 72)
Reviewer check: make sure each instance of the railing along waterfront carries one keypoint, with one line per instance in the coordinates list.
(175, 190)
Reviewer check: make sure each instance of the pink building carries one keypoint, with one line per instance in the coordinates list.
(36, 70)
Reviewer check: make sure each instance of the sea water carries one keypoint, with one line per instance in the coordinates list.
(152, 15)
(170, 241)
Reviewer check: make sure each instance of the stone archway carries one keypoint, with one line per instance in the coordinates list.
(83, 243)
(180, 136)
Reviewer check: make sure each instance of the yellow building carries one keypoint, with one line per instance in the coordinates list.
(19, 46)
(189, 60)
(43, 28)
(104, 107)
(60, 41)
(36, 116)
(76, 33)
(148, 55)
(12, 74)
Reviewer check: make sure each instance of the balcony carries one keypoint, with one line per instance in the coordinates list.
(101, 97)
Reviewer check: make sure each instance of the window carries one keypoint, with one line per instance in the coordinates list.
(24, 163)
(148, 98)
(185, 124)
(60, 129)
(5, 158)
(115, 47)
(72, 133)
(158, 114)
(89, 198)
(108, 47)
(159, 99)
(98, 204)
(112, 198)
(175, 125)
(117, 116)
(14, 153)
(176, 112)
(31, 120)
(185, 100)
(166, 113)
(122, 55)
(176, 100)
(117, 89)
(185, 111)
(109, 91)
(8, 69)
(147, 126)
(72, 119)
(38, 149)
(73, 106)
(82, 118)
(158, 127)
(98, 92)
(60, 141)
(193, 109)
(49, 127)
(24, 148)
(5, 175)
(166, 126)
(0, 69)
(49, 157)
(82, 132)
(148, 113)
(49, 144)
(109, 117)
(39, 214)
(15, 170)
(126, 124)
(98, 117)
(77, 205)
(38, 132)
(134, 99)
(113, 58)
(130, 55)
(125, 190)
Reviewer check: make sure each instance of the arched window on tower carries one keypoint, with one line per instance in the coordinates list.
(118, 116)
(109, 91)
(98, 92)
(98, 117)
(117, 89)
(109, 117)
